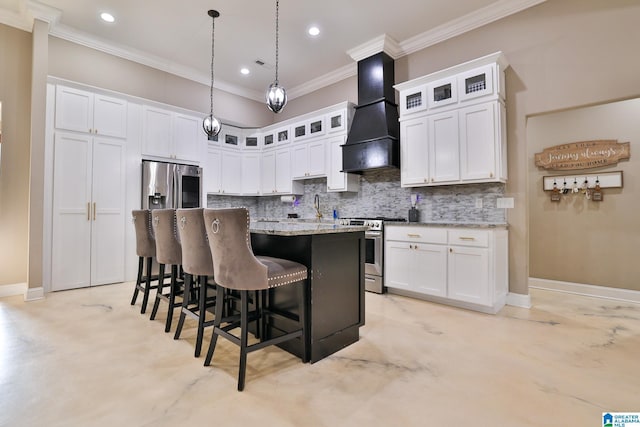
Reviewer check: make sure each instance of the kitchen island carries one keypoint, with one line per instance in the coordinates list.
(334, 297)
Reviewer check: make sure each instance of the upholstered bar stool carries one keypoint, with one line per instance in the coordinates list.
(198, 267)
(168, 252)
(237, 268)
(146, 251)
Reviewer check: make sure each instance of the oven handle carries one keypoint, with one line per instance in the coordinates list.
(372, 233)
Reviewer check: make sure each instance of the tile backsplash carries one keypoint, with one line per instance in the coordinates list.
(380, 195)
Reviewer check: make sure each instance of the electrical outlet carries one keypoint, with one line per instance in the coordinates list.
(504, 202)
(478, 203)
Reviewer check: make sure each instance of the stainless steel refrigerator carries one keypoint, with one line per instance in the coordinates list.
(170, 185)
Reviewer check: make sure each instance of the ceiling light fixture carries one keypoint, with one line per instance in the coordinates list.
(314, 31)
(245, 71)
(107, 17)
(211, 125)
(276, 95)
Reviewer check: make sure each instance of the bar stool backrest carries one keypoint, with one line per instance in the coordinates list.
(145, 240)
(230, 242)
(196, 255)
(168, 247)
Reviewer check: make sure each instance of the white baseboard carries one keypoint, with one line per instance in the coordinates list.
(33, 294)
(626, 295)
(11, 290)
(519, 300)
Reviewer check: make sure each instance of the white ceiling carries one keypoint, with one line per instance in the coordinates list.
(175, 36)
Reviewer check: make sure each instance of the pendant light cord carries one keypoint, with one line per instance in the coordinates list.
(213, 30)
(277, 31)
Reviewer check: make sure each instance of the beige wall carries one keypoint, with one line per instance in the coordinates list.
(578, 240)
(84, 65)
(15, 94)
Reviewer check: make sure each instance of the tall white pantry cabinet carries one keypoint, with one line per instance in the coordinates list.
(88, 201)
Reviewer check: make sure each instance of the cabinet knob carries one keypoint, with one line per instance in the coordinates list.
(432, 179)
(451, 250)
(425, 180)
(491, 175)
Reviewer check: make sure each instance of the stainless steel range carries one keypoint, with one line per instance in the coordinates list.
(374, 253)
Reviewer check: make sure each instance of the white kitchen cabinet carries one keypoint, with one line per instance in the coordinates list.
(414, 152)
(170, 135)
(83, 111)
(251, 174)
(276, 173)
(88, 233)
(308, 159)
(444, 148)
(231, 172)
(336, 179)
(466, 267)
(188, 137)
(212, 172)
(482, 143)
(459, 135)
(469, 274)
(418, 267)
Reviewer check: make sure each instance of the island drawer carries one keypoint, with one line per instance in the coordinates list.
(416, 234)
(466, 237)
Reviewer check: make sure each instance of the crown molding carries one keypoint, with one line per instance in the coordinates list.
(382, 43)
(44, 12)
(471, 21)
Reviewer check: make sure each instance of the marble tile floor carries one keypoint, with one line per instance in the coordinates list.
(87, 358)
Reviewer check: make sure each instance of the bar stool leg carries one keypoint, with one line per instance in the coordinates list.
(159, 291)
(172, 297)
(302, 319)
(138, 280)
(244, 308)
(185, 304)
(219, 310)
(202, 312)
(147, 287)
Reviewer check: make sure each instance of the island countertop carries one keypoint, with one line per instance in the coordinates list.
(300, 228)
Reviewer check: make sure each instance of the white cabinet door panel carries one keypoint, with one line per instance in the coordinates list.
(430, 269)
(187, 137)
(469, 274)
(317, 158)
(398, 265)
(478, 142)
(71, 236)
(268, 172)
(211, 172)
(108, 217)
(110, 116)
(251, 173)
(74, 109)
(156, 132)
(414, 151)
(231, 172)
(444, 154)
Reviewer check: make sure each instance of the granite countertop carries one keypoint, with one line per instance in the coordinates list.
(449, 224)
(300, 228)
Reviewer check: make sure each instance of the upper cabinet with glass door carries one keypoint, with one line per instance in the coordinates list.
(474, 81)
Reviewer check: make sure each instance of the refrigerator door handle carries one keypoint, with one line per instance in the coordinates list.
(177, 180)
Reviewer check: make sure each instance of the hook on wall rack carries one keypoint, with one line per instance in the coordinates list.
(607, 180)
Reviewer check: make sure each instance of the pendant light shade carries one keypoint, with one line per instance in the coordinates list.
(211, 125)
(276, 94)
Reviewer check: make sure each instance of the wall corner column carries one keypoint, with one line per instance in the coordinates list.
(39, 72)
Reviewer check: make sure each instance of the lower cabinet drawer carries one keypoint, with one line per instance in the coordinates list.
(477, 238)
(416, 234)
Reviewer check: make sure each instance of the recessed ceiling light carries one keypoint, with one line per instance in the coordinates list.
(245, 71)
(314, 31)
(107, 17)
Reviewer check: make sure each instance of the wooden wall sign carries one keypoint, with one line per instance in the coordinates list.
(583, 155)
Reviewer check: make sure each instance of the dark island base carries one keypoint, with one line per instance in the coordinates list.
(335, 296)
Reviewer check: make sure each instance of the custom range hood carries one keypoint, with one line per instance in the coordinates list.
(373, 141)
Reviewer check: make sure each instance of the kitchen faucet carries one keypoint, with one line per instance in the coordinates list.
(316, 204)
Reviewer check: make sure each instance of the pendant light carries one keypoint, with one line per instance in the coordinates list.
(276, 95)
(211, 125)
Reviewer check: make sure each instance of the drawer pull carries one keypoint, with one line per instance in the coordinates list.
(413, 235)
(467, 238)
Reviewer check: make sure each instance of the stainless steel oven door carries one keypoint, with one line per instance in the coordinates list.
(373, 253)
